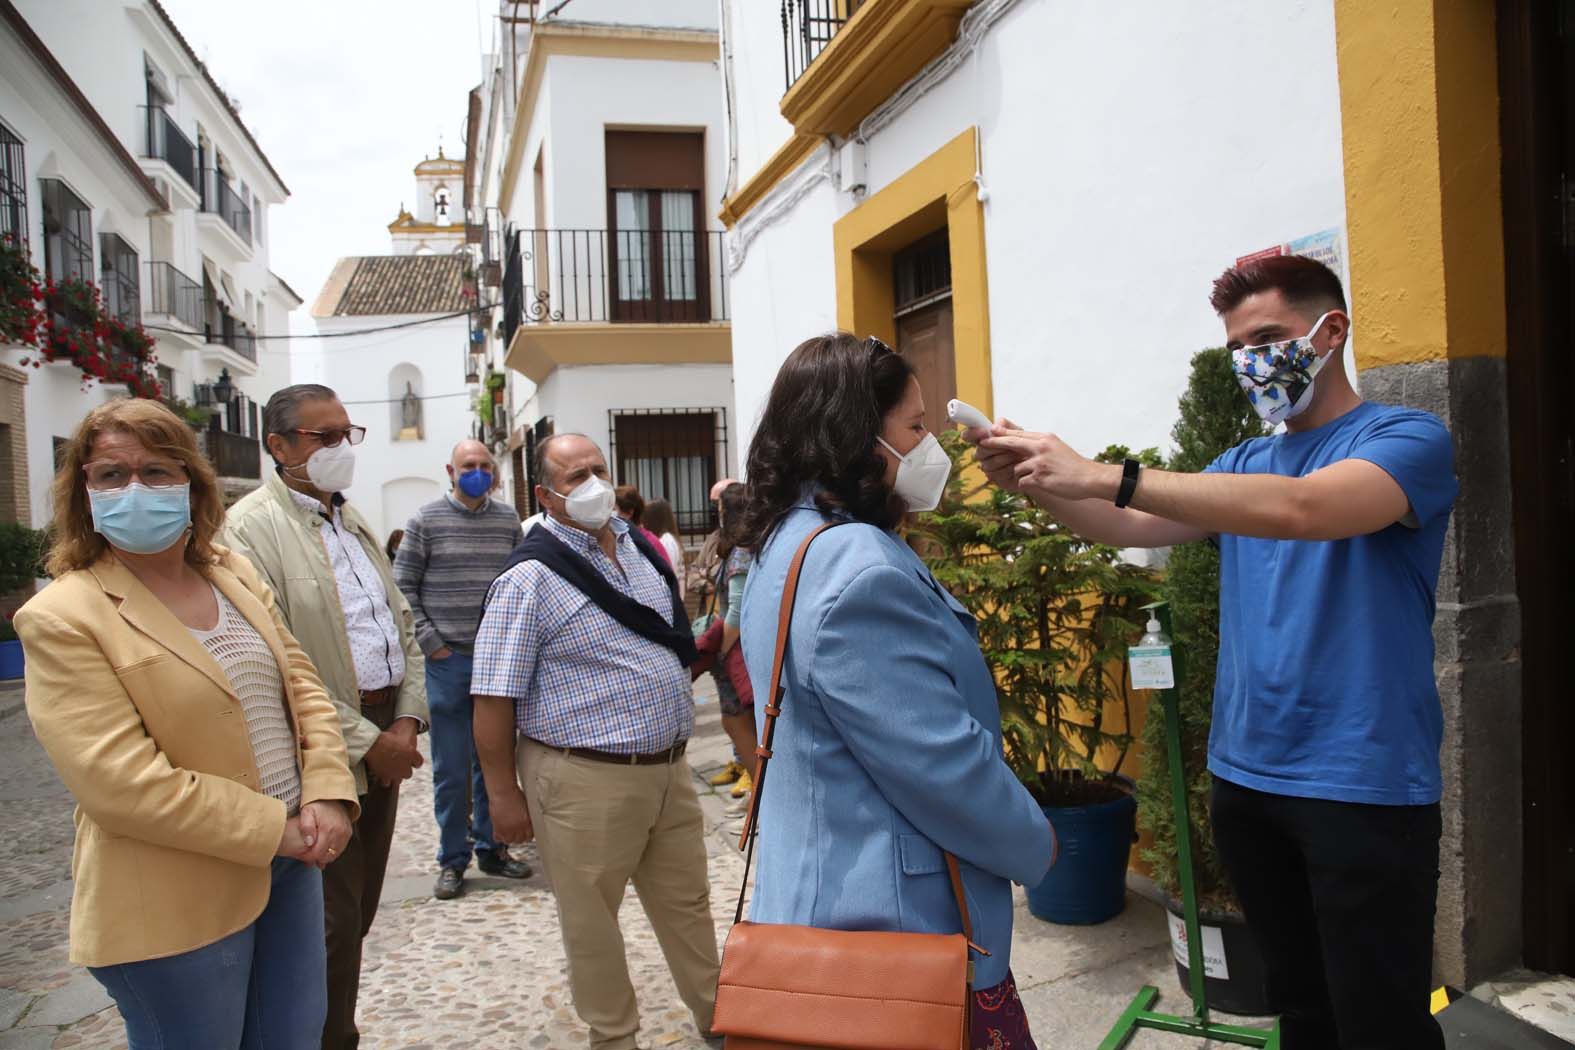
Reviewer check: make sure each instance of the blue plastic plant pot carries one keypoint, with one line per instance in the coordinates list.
(1089, 881)
(10, 660)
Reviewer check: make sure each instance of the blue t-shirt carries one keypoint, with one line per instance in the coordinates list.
(1325, 685)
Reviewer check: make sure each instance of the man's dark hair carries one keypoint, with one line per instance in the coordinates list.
(282, 414)
(826, 408)
(539, 465)
(1307, 284)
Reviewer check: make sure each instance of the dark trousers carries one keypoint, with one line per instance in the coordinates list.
(351, 887)
(1339, 897)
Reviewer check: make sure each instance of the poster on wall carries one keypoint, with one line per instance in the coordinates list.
(1326, 246)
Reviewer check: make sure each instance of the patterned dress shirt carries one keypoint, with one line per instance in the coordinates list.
(578, 677)
(375, 648)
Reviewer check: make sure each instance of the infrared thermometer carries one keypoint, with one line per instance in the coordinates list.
(964, 413)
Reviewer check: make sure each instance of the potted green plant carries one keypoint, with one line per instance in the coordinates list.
(21, 557)
(1055, 614)
(1213, 417)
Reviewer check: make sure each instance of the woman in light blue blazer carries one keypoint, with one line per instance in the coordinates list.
(888, 749)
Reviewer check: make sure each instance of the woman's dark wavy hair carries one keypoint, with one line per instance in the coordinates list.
(819, 428)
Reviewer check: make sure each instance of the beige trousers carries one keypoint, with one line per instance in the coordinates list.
(599, 826)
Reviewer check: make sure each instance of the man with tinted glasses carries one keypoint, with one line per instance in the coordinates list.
(335, 589)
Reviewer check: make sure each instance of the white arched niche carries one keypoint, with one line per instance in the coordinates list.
(407, 416)
(402, 497)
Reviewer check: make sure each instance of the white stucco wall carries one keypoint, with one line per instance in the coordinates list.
(1131, 154)
(391, 477)
(666, 14)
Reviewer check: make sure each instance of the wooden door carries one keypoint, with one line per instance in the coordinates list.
(924, 337)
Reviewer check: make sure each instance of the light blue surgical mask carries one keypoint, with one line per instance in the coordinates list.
(141, 519)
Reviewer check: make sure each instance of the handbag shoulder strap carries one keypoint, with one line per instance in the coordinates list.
(773, 708)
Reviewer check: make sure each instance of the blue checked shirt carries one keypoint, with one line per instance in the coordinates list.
(578, 677)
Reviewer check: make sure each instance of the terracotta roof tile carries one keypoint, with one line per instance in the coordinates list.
(393, 284)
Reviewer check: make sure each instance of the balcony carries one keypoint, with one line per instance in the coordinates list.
(164, 140)
(220, 199)
(843, 58)
(224, 330)
(587, 296)
(174, 295)
(233, 455)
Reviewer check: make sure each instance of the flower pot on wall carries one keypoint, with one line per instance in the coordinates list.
(1088, 883)
(10, 660)
(1233, 974)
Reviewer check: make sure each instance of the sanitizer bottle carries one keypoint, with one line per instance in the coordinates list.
(1150, 660)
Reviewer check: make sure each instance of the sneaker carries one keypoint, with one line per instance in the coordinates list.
(743, 785)
(498, 862)
(450, 882)
(726, 775)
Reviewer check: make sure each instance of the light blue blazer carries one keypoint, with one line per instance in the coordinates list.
(888, 749)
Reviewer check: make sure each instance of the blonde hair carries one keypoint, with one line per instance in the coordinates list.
(74, 543)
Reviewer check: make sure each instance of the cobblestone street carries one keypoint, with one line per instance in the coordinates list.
(486, 970)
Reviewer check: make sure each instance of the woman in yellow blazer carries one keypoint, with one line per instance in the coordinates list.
(205, 757)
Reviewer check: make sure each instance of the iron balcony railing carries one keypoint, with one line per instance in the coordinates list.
(807, 27)
(174, 294)
(233, 455)
(220, 198)
(165, 141)
(233, 334)
(618, 276)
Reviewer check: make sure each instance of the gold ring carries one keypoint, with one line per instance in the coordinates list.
(332, 851)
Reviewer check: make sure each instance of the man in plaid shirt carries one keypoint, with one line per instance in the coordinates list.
(581, 725)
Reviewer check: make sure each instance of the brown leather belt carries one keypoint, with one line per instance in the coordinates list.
(378, 697)
(656, 758)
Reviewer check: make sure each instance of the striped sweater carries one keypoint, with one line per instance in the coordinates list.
(445, 564)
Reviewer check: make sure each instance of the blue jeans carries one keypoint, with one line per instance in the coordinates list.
(459, 795)
(261, 988)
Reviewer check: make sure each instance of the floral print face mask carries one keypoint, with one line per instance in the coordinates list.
(1278, 377)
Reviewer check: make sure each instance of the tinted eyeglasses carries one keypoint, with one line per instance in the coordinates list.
(330, 438)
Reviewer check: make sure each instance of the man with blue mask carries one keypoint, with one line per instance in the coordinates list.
(1327, 723)
(335, 589)
(453, 547)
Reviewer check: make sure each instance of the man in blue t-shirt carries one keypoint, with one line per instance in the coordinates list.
(1327, 723)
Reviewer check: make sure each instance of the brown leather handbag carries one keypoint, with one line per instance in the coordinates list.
(802, 988)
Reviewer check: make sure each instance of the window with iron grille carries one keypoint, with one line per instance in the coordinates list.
(675, 454)
(656, 244)
(922, 272)
(541, 431)
(13, 186)
(68, 233)
(120, 285)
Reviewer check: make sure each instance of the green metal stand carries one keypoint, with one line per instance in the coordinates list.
(1139, 1014)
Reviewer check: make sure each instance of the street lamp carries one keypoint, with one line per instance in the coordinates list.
(224, 389)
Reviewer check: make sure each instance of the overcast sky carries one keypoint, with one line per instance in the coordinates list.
(345, 97)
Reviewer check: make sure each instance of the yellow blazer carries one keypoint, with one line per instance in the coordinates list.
(174, 840)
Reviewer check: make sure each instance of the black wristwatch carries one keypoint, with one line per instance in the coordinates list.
(1129, 480)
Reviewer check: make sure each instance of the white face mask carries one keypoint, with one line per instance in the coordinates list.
(331, 469)
(591, 503)
(921, 474)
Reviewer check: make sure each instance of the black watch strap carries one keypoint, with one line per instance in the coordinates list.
(1129, 480)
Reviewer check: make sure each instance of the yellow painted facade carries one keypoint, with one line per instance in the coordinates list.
(938, 191)
(1419, 112)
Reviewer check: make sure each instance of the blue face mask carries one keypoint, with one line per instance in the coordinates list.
(475, 483)
(141, 519)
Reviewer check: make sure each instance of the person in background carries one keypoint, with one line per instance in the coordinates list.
(335, 592)
(454, 547)
(198, 899)
(887, 755)
(737, 701)
(392, 546)
(631, 508)
(705, 584)
(660, 521)
(583, 713)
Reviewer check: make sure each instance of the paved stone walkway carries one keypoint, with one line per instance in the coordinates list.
(486, 970)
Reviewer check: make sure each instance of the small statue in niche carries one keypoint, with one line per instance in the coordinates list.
(410, 415)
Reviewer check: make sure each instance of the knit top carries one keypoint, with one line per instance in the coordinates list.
(254, 675)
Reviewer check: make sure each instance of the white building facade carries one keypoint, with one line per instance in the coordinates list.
(597, 163)
(177, 239)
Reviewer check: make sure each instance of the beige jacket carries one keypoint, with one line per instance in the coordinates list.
(284, 540)
(174, 838)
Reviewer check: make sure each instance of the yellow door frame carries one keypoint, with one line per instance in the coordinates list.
(938, 191)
